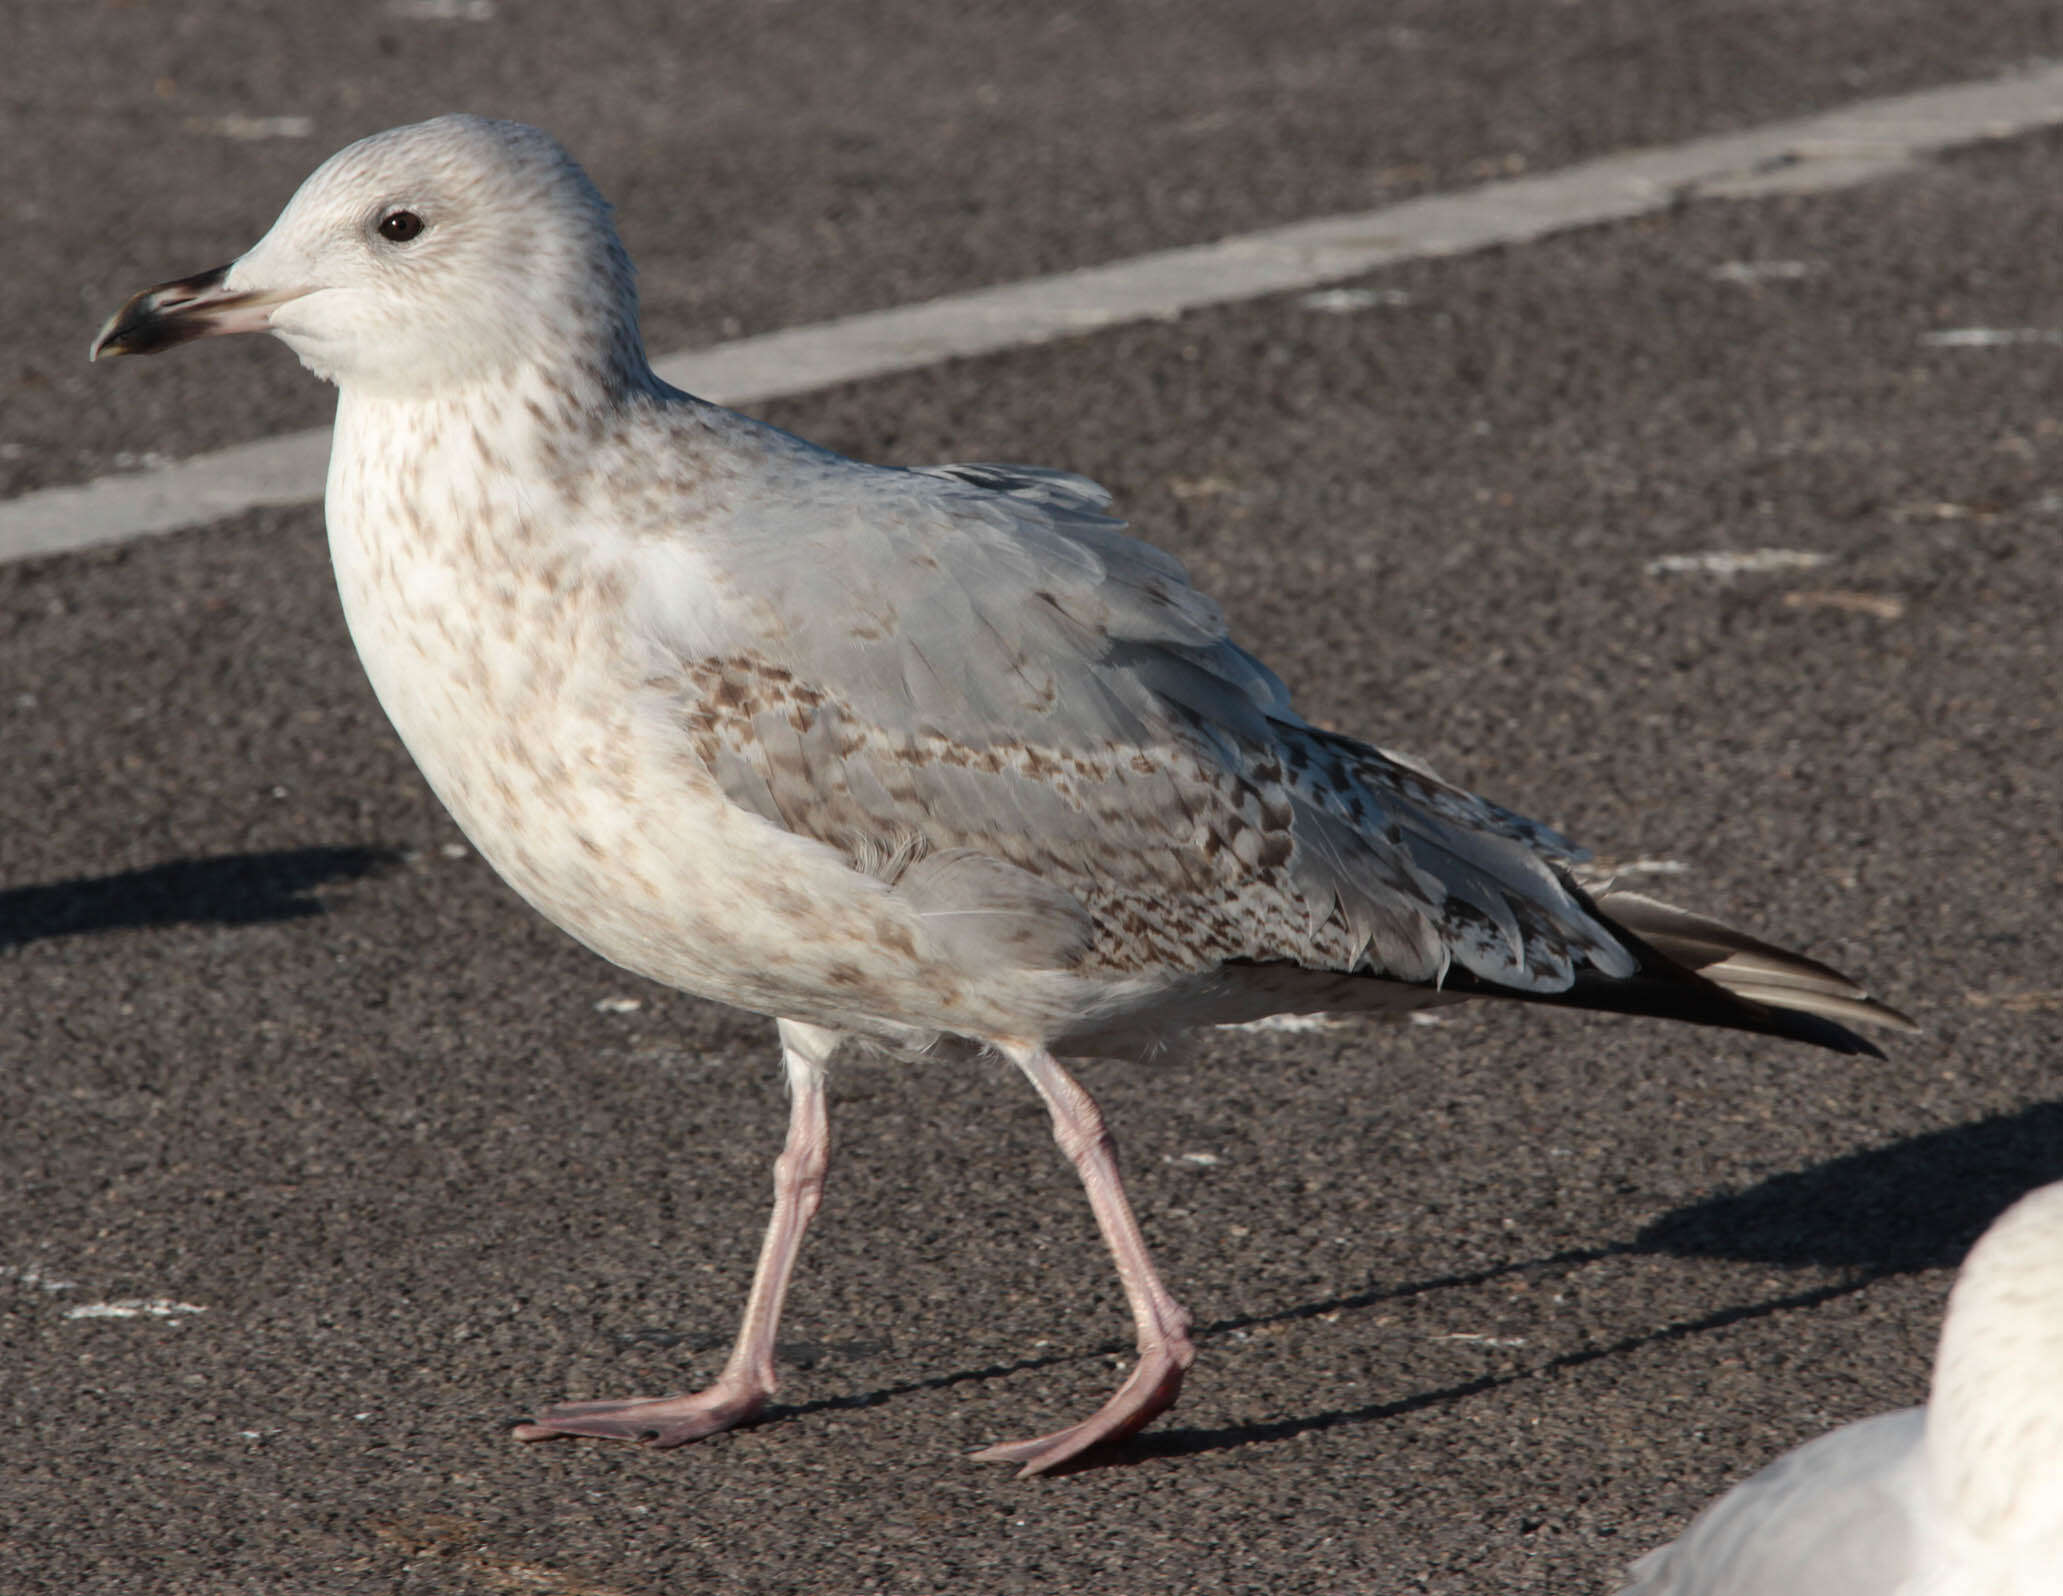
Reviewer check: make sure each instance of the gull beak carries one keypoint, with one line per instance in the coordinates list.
(177, 313)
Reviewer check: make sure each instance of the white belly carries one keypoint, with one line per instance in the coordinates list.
(510, 668)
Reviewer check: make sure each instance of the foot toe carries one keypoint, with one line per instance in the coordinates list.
(656, 1421)
(1150, 1392)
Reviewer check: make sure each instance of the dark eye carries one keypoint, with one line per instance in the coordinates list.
(398, 227)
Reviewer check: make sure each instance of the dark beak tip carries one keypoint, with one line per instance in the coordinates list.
(108, 341)
(127, 331)
(150, 321)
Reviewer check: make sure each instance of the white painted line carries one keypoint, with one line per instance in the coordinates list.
(1828, 151)
(209, 487)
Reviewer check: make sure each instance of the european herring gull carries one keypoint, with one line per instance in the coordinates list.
(1963, 1497)
(938, 759)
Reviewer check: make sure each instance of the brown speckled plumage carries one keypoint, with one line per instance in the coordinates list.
(928, 757)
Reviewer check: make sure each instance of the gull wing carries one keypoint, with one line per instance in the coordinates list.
(976, 659)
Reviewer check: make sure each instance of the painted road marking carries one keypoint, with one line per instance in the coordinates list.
(1810, 154)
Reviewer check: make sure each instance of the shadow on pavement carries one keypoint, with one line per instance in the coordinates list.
(236, 889)
(1913, 1205)
(1916, 1204)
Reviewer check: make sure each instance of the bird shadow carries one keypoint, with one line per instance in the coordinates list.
(234, 889)
(1913, 1205)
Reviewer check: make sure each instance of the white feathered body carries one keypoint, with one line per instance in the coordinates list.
(847, 745)
(493, 619)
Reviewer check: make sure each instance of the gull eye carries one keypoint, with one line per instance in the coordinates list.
(398, 227)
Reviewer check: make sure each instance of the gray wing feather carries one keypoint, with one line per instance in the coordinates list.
(1004, 915)
(1044, 486)
(978, 659)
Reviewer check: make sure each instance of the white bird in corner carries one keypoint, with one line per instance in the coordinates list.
(1963, 1497)
(936, 759)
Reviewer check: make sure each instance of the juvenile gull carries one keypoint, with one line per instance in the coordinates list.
(937, 759)
(1963, 1497)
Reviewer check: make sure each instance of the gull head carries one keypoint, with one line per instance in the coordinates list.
(420, 261)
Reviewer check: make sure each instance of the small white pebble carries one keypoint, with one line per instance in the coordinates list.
(1750, 272)
(1651, 867)
(442, 10)
(1884, 606)
(1990, 337)
(1344, 301)
(33, 1275)
(134, 1308)
(1292, 1023)
(1736, 562)
(237, 126)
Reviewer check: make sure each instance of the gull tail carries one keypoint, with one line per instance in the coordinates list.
(1700, 971)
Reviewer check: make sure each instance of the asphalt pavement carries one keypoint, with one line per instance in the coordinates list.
(323, 1160)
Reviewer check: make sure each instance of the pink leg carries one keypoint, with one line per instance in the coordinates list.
(748, 1378)
(1163, 1326)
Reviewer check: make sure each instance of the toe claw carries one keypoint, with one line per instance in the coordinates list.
(654, 1421)
(1150, 1392)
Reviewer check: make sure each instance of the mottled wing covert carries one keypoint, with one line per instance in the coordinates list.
(978, 658)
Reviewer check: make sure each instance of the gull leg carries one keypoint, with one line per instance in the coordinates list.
(1162, 1324)
(748, 1378)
